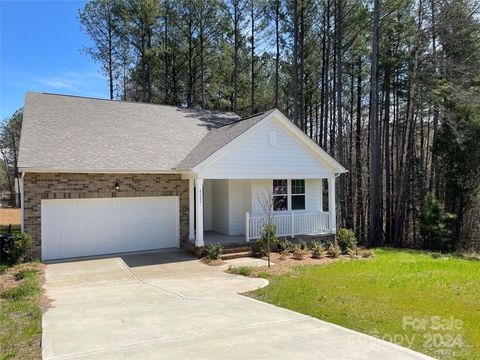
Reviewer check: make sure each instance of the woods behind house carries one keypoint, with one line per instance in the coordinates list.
(390, 88)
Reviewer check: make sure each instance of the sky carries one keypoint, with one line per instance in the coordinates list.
(40, 43)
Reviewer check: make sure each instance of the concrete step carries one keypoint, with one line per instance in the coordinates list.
(236, 255)
(236, 249)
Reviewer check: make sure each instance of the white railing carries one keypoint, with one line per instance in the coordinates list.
(290, 224)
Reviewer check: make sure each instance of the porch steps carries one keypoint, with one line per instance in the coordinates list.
(236, 255)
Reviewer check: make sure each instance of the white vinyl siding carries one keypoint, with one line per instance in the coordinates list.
(85, 227)
(220, 206)
(255, 157)
(240, 203)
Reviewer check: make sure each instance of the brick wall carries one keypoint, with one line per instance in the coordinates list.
(38, 186)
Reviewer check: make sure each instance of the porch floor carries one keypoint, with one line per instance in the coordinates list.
(213, 237)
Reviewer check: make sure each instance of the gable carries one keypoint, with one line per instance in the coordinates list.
(270, 150)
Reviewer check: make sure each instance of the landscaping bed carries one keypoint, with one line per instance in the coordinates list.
(21, 307)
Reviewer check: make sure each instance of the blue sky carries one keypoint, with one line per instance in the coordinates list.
(40, 44)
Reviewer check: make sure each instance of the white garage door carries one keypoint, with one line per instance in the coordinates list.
(84, 227)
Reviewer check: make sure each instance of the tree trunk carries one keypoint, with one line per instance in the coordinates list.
(375, 227)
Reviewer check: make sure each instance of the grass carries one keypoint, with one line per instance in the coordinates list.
(240, 270)
(383, 295)
(20, 313)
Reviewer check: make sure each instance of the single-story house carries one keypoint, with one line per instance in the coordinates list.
(101, 176)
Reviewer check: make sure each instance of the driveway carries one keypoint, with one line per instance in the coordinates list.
(169, 305)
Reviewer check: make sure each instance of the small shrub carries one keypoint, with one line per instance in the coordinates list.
(333, 251)
(214, 251)
(353, 253)
(20, 275)
(15, 248)
(303, 244)
(240, 270)
(3, 269)
(366, 253)
(284, 254)
(285, 245)
(346, 240)
(317, 250)
(298, 252)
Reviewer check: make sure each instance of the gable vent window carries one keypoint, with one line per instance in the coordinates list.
(273, 138)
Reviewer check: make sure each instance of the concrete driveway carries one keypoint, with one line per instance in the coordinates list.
(168, 305)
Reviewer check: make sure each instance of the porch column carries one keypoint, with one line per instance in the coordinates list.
(191, 209)
(331, 205)
(199, 212)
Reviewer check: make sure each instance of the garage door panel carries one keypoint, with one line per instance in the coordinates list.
(83, 227)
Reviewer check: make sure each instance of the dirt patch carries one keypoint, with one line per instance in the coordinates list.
(216, 262)
(10, 216)
(9, 280)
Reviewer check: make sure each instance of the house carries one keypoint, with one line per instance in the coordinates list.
(101, 176)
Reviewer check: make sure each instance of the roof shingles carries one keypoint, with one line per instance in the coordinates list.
(67, 133)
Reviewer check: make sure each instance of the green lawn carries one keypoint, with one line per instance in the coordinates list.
(20, 314)
(384, 295)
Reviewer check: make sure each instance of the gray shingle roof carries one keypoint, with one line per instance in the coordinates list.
(218, 138)
(67, 133)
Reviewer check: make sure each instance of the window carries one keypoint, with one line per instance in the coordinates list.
(280, 195)
(283, 199)
(298, 194)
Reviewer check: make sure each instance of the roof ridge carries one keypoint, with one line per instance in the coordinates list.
(135, 102)
(264, 113)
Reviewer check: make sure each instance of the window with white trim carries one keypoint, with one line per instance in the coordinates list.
(280, 195)
(288, 194)
(298, 194)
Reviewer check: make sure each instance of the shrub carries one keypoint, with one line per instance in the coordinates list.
(353, 253)
(434, 224)
(240, 270)
(346, 240)
(333, 251)
(285, 245)
(317, 250)
(303, 244)
(366, 253)
(3, 269)
(298, 252)
(214, 251)
(15, 248)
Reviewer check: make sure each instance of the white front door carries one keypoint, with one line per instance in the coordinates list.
(85, 227)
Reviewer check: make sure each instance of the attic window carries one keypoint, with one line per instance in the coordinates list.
(273, 138)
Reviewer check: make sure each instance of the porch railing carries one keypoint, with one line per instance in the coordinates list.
(289, 224)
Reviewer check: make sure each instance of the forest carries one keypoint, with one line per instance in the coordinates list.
(390, 88)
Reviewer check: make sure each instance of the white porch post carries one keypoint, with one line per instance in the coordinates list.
(199, 211)
(331, 205)
(191, 209)
(321, 194)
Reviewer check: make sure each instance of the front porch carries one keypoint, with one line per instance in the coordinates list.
(228, 211)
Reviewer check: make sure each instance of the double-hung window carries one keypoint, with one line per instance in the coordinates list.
(298, 194)
(288, 194)
(280, 195)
